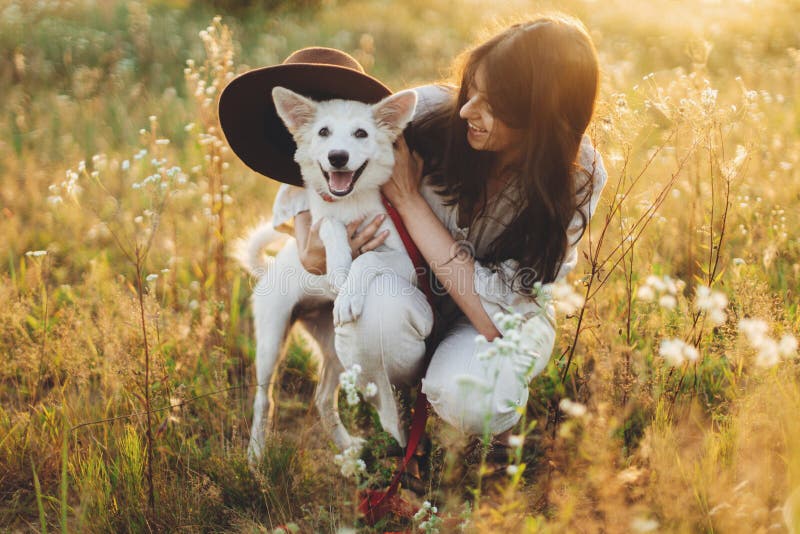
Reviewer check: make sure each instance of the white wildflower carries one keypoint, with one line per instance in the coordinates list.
(767, 353)
(152, 277)
(643, 524)
(423, 511)
(516, 440)
(708, 97)
(787, 346)
(656, 283)
(572, 408)
(664, 287)
(512, 470)
(566, 299)
(35, 253)
(371, 390)
(712, 302)
(754, 329)
(675, 352)
(645, 293)
(350, 463)
(348, 379)
(667, 301)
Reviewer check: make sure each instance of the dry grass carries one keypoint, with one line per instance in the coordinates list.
(699, 127)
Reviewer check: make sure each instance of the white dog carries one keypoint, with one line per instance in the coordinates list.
(345, 152)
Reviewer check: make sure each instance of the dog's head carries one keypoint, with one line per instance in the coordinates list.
(341, 143)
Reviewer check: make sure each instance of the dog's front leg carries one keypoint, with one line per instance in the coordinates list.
(349, 302)
(338, 257)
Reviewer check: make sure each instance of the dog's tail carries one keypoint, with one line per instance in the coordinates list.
(249, 251)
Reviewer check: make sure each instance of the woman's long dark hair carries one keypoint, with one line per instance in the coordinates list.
(541, 79)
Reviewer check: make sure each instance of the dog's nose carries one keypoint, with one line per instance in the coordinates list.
(338, 158)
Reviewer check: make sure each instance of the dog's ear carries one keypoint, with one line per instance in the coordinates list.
(294, 110)
(395, 111)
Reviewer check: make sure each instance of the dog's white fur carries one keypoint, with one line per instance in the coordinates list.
(286, 292)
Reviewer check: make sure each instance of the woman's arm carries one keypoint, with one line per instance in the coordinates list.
(454, 271)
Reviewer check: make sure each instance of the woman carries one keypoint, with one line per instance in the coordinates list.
(503, 209)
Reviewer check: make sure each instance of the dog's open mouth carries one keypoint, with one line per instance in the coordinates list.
(341, 183)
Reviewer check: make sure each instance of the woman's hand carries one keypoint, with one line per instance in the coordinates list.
(406, 177)
(312, 250)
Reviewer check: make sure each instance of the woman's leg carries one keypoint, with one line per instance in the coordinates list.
(388, 342)
(482, 395)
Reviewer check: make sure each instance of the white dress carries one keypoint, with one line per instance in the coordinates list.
(474, 394)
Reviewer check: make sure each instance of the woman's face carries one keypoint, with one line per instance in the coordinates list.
(484, 130)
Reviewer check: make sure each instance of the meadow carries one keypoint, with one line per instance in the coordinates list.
(670, 403)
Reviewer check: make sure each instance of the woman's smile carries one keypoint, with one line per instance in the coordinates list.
(476, 129)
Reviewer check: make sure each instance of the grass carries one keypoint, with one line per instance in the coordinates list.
(699, 125)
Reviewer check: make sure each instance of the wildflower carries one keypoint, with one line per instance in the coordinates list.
(738, 261)
(567, 300)
(348, 380)
(572, 408)
(645, 293)
(126, 164)
(152, 277)
(754, 329)
(667, 301)
(665, 288)
(35, 253)
(675, 352)
(768, 351)
(350, 463)
(432, 523)
(708, 97)
(516, 440)
(642, 524)
(371, 390)
(787, 346)
(423, 510)
(512, 470)
(712, 302)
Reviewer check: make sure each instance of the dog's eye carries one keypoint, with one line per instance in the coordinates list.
(324, 132)
(361, 134)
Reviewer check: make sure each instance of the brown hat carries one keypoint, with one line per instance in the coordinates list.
(248, 117)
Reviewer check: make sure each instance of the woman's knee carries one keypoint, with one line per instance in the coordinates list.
(474, 395)
(475, 406)
(395, 320)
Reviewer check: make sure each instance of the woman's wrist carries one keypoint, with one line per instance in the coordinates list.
(408, 202)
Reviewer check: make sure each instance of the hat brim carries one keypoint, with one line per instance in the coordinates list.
(252, 127)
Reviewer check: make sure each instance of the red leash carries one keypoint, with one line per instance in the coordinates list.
(375, 503)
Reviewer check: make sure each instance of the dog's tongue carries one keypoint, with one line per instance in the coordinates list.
(340, 181)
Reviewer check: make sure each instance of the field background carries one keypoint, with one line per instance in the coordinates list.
(137, 304)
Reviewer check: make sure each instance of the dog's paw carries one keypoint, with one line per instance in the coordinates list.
(347, 308)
